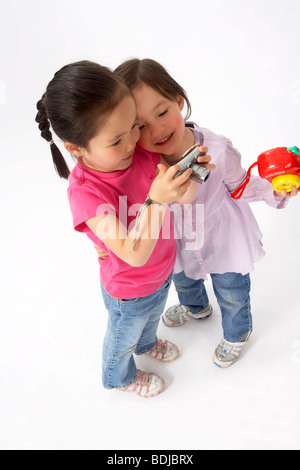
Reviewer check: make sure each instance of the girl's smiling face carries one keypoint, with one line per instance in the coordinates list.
(160, 122)
(112, 148)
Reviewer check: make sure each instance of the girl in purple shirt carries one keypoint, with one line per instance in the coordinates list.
(223, 239)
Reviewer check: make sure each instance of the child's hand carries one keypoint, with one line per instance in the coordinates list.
(284, 193)
(205, 159)
(165, 189)
(101, 253)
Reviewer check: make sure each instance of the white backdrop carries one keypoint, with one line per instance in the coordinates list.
(239, 62)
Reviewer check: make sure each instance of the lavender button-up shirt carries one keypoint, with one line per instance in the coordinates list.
(217, 234)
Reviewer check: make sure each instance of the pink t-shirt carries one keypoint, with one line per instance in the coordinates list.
(92, 193)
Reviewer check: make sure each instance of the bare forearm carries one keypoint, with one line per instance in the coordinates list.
(134, 247)
(141, 240)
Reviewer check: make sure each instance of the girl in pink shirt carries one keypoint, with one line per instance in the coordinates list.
(223, 239)
(94, 113)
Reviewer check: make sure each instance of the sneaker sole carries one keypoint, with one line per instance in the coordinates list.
(134, 392)
(223, 364)
(143, 396)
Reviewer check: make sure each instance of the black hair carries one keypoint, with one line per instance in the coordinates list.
(75, 104)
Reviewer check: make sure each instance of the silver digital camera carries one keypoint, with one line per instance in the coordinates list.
(189, 160)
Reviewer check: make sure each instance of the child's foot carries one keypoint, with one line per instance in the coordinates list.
(164, 351)
(180, 314)
(146, 385)
(228, 353)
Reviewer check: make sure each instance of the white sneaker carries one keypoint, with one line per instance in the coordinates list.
(228, 353)
(146, 385)
(164, 351)
(180, 314)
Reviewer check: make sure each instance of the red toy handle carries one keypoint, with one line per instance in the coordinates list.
(237, 194)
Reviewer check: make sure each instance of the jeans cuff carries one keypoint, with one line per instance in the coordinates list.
(146, 349)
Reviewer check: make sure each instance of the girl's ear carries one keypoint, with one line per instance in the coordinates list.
(73, 149)
(180, 101)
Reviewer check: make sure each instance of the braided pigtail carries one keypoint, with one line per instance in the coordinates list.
(44, 126)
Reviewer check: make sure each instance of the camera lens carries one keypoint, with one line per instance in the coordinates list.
(200, 173)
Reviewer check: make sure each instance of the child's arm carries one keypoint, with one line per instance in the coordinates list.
(164, 190)
(258, 189)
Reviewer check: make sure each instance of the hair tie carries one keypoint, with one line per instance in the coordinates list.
(51, 142)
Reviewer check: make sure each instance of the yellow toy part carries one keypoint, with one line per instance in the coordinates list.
(286, 182)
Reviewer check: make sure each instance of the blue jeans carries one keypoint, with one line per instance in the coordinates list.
(131, 329)
(232, 291)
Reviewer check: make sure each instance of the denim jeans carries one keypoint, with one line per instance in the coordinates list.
(131, 329)
(232, 291)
